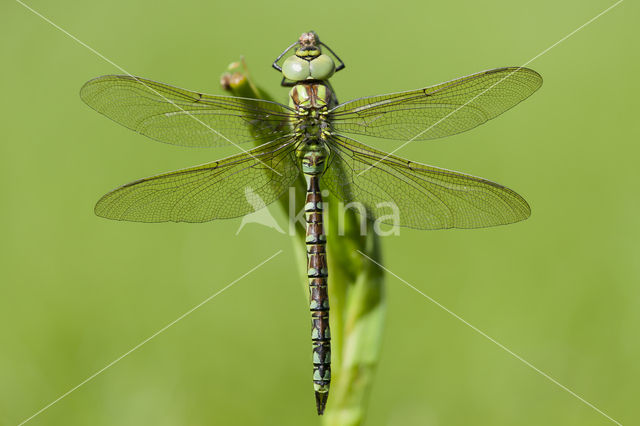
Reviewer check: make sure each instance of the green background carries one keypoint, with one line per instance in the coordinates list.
(561, 289)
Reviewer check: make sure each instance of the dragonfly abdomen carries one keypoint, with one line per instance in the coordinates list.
(317, 273)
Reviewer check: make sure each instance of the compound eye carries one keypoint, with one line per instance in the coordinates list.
(295, 69)
(322, 67)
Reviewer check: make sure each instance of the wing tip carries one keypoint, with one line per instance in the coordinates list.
(89, 83)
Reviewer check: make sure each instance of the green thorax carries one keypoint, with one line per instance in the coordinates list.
(307, 96)
(311, 124)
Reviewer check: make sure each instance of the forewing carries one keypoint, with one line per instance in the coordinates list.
(437, 111)
(182, 117)
(402, 192)
(228, 188)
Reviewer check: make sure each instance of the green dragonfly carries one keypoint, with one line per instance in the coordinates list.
(313, 136)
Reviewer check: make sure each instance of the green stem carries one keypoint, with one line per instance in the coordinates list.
(238, 82)
(356, 289)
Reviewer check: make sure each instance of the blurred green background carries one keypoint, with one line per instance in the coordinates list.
(561, 289)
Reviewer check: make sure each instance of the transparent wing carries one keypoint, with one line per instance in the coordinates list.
(398, 191)
(437, 111)
(223, 189)
(182, 117)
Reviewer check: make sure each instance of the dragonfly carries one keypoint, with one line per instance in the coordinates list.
(313, 136)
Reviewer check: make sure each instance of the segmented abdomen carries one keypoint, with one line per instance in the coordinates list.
(318, 294)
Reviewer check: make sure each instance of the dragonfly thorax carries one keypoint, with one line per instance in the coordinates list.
(311, 102)
(310, 96)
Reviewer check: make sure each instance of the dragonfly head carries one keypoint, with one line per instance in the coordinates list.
(308, 62)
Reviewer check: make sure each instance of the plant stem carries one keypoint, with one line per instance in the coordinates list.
(356, 289)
